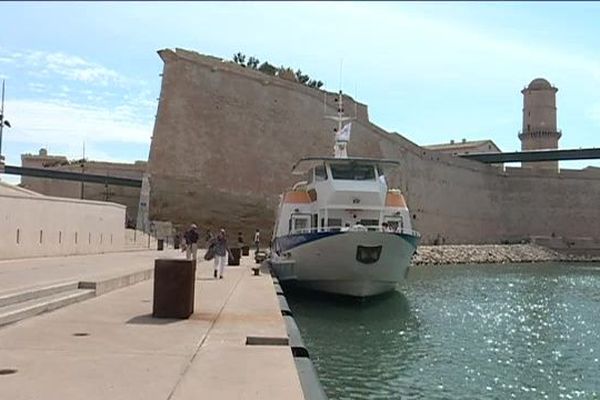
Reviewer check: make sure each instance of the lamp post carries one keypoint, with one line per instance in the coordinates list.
(3, 122)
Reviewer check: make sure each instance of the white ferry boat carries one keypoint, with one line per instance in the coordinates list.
(342, 230)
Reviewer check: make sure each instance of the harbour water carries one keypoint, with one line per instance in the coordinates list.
(525, 331)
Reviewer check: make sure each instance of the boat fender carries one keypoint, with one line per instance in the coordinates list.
(295, 339)
(278, 288)
(309, 380)
(284, 306)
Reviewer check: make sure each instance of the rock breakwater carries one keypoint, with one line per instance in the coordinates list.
(490, 253)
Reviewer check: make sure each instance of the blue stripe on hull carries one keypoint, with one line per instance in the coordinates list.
(288, 242)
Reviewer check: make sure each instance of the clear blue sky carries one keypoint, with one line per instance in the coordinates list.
(434, 72)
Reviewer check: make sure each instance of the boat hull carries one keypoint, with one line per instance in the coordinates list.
(359, 264)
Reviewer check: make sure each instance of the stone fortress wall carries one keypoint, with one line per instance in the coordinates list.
(225, 139)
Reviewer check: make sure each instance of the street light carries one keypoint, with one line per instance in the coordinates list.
(3, 122)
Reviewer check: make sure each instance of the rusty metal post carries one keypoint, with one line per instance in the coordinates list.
(174, 285)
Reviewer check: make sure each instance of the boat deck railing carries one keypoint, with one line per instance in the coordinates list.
(357, 228)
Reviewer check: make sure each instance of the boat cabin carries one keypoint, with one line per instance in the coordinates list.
(342, 194)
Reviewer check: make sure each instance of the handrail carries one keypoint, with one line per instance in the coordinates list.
(355, 228)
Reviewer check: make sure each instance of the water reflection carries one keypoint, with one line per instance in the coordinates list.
(376, 332)
(508, 331)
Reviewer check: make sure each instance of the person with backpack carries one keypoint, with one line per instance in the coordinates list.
(221, 249)
(191, 237)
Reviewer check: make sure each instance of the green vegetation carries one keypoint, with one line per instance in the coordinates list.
(269, 69)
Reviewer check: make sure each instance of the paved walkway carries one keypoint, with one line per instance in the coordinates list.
(111, 348)
(33, 272)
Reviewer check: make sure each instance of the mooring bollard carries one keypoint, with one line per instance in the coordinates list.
(174, 285)
(245, 250)
(260, 256)
(235, 256)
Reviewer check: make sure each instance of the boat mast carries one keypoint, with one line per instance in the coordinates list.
(342, 133)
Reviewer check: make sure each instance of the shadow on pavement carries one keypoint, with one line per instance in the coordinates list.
(148, 319)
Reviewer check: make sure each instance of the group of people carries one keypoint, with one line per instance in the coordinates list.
(396, 228)
(217, 247)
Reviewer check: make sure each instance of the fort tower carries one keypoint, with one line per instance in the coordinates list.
(539, 121)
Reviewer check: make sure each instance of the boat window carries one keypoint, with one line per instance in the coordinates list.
(334, 223)
(320, 173)
(300, 223)
(353, 172)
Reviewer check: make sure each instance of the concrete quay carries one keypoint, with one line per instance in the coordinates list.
(109, 347)
(27, 273)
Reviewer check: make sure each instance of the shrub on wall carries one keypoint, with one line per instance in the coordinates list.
(269, 69)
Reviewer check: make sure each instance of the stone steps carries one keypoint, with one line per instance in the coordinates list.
(36, 292)
(26, 303)
(29, 303)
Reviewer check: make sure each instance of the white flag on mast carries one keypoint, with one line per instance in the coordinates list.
(344, 134)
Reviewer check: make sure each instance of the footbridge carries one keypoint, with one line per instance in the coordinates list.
(535, 156)
(70, 176)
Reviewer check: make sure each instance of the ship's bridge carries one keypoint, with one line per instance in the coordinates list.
(340, 183)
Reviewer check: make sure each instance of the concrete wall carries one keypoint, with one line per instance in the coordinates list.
(128, 196)
(225, 139)
(34, 225)
(135, 239)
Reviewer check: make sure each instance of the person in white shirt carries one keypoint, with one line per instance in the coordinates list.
(257, 240)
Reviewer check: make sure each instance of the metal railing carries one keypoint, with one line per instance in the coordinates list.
(355, 228)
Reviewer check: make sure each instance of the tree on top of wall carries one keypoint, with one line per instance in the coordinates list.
(240, 59)
(253, 62)
(315, 84)
(269, 69)
(302, 78)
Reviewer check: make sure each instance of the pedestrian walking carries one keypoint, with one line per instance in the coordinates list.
(191, 237)
(209, 237)
(221, 253)
(257, 241)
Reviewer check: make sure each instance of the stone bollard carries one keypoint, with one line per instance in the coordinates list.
(236, 255)
(174, 285)
(260, 256)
